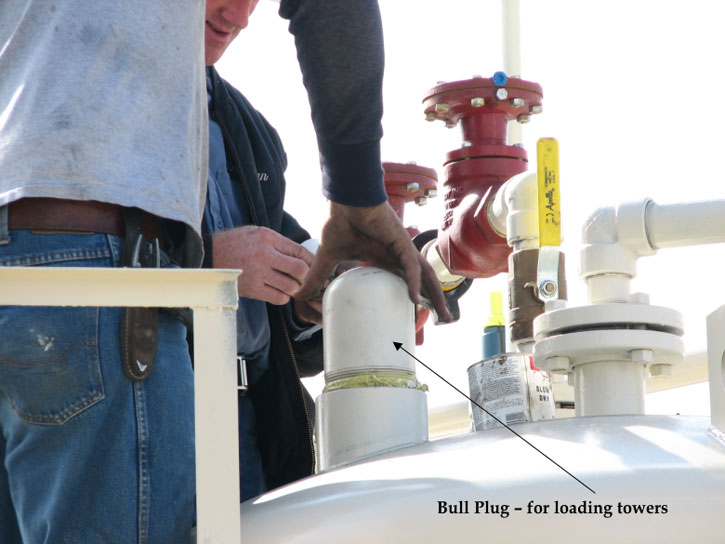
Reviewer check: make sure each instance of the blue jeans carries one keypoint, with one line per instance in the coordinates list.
(89, 456)
(251, 473)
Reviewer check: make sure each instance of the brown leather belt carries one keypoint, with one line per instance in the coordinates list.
(139, 326)
(57, 214)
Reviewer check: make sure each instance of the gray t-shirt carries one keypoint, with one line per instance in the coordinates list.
(95, 104)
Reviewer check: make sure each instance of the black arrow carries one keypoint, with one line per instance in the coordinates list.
(399, 346)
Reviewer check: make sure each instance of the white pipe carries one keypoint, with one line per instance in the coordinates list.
(365, 310)
(372, 401)
(679, 225)
(512, 56)
(355, 423)
(605, 288)
(514, 211)
(616, 237)
(609, 388)
(449, 419)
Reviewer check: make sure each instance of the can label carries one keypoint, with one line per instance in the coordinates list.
(541, 393)
(508, 387)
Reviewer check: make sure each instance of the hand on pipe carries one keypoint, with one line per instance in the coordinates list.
(373, 234)
(273, 267)
(310, 310)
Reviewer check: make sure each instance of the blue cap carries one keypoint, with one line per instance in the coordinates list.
(494, 341)
(500, 78)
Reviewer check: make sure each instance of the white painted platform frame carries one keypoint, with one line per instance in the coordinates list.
(212, 294)
(716, 368)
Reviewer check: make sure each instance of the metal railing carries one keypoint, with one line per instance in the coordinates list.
(212, 295)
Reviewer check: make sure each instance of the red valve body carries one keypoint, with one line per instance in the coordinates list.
(467, 243)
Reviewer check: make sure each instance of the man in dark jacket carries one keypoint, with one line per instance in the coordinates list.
(245, 227)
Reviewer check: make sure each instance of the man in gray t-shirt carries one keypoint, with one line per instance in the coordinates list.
(103, 118)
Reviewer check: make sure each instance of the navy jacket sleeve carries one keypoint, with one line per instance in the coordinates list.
(340, 51)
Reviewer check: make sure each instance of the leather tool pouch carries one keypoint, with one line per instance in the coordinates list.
(139, 326)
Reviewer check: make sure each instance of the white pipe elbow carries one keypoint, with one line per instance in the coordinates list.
(514, 211)
(614, 238)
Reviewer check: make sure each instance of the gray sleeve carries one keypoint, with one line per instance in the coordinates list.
(340, 51)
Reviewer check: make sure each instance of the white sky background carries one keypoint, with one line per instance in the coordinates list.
(633, 91)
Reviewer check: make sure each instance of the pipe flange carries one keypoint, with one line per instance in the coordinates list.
(487, 152)
(449, 102)
(622, 332)
(609, 316)
(564, 352)
(409, 181)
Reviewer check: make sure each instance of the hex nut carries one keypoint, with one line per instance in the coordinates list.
(412, 187)
(660, 371)
(558, 364)
(518, 102)
(430, 116)
(639, 298)
(477, 102)
(442, 107)
(547, 287)
(523, 118)
(502, 94)
(641, 356)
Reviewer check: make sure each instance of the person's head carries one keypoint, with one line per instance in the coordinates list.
(224, 19)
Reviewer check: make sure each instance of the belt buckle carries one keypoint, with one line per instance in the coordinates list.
(151, 256)
(242, 383)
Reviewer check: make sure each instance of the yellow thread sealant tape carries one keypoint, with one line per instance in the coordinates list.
(547, 173)
(377, 378)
